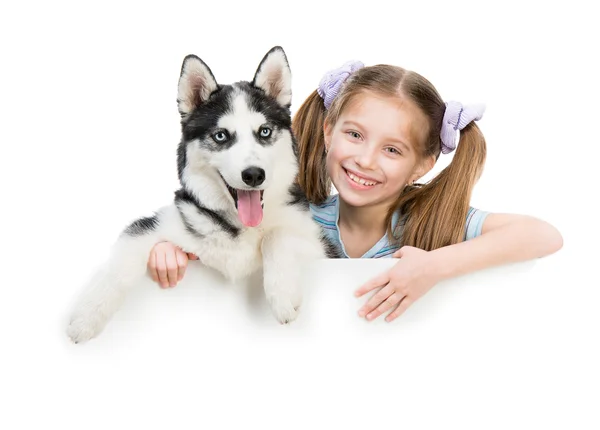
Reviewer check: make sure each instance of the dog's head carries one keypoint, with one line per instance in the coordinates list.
(240, 132)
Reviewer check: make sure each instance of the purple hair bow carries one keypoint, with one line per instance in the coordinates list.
(333, 80)
(456, 118)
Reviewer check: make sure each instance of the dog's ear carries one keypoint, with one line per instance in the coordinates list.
(196, 83)
(274, 76)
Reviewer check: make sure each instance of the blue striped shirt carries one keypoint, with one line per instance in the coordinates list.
(327, 216)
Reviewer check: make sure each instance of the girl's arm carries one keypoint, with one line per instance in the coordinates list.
(505, 238)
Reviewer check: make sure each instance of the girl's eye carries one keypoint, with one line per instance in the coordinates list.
(354, 134)
(265, 132)
(394, 151)
(220, 136)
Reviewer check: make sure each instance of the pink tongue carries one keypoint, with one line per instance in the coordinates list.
(249, 208)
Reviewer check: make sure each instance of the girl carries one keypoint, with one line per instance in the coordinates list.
(371, 132)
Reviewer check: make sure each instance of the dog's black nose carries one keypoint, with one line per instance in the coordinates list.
(253, 176)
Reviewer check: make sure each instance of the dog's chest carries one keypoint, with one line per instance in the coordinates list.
(237, 255)
(234, 256)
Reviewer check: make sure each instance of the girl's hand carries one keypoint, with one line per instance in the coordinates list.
(167, 263)
(408, 280)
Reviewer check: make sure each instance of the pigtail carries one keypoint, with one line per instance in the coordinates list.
(307, 126)
(437, 210)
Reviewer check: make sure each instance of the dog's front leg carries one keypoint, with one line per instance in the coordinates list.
(283, 258)
(107, 289)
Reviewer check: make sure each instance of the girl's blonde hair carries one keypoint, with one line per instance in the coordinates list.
(433, 214)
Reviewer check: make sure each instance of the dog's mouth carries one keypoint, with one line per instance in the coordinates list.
(248, 203)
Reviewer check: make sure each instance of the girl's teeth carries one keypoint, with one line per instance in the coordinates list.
(360, 180)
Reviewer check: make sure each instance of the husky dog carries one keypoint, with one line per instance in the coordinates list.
(238, 208)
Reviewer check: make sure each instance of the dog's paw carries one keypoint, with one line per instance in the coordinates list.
(83, 328)
(285, 307)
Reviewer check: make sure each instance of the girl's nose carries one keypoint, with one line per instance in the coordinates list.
(367, 158)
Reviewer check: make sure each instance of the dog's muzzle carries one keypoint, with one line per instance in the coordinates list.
(248, 202)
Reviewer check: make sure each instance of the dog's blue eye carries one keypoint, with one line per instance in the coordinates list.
(220, 136)
(265, 132)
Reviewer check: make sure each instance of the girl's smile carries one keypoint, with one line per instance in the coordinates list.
(359, 181)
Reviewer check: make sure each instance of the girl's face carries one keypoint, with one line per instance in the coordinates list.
(371, 150)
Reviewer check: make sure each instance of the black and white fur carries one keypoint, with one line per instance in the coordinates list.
(234, 137)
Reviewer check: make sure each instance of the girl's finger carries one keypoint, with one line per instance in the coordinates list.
(192, 256)
(152, 266)
(161, 267)
(181, 263)
(389, 303)
(404, 304)
(378, 281)
(376, 300)
(172, 268)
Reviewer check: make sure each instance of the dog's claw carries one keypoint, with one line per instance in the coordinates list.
(284, 309)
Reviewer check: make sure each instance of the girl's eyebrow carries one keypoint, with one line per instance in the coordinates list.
(348, 122)
(399, 142)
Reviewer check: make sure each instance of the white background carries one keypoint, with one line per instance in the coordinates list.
(89, 128)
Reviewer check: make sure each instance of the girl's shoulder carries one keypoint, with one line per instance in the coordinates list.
(474, 224)
(330, 201)
(326, 213)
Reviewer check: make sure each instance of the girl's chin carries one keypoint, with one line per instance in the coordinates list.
(362, 198)
(353, 198)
